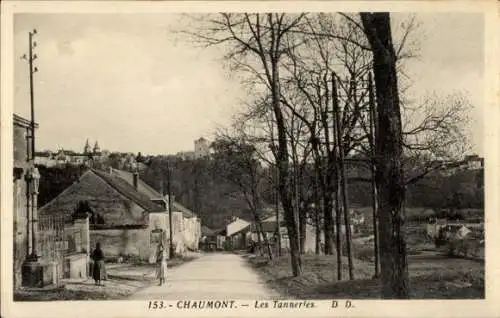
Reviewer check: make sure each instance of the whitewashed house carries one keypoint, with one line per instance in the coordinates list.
(237, 233)
(186, 225)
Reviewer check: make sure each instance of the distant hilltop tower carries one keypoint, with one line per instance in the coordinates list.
(201, 148)
(96, 149)
(86, 148)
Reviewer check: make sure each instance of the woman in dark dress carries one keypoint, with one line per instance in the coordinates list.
(98, 272)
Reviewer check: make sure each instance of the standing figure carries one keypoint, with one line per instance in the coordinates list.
(161, 260)
(98, 270)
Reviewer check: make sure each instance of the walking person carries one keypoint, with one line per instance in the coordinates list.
(161, 260)
(98, 270)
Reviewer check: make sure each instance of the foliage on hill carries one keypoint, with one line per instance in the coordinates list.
(54, 180)
(199, 185)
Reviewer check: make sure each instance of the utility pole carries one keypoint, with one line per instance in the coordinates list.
(31, 272)
(169, 190)
(32, 70)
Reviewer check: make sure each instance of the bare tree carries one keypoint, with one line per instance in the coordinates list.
(254, 43)
(388, 155)
(237, 162)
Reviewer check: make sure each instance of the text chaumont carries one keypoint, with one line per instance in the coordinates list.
(205, 304)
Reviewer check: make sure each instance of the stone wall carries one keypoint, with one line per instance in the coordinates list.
(192, 232)
(20, 233)
(114, 243)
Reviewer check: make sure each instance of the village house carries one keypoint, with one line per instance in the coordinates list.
(124, 220)
(212, 240)
(269, 226)
(186, 225)
(236, 233)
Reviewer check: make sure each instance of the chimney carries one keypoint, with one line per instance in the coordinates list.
(136, 180)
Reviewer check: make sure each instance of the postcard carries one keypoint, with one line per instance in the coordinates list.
(252, 158)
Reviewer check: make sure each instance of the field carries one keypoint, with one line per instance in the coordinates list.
(434, 273)
(431, 277)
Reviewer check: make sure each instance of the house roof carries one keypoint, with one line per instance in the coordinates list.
(150, 192)
(237, 226)
(185, 211)
(206, 231)
(269, 226)
(143, 187)
(128, 190)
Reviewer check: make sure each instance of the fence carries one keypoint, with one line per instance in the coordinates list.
(58, 238)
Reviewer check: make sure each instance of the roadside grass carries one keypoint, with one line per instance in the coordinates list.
(438, 278)
(115, 287)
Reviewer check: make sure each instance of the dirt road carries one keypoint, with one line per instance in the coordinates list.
(212, 276)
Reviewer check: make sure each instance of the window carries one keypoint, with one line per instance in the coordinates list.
(156, 236)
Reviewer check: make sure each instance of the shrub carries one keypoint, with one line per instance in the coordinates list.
(467, 247)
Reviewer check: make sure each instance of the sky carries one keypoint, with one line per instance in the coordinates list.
(129, 83)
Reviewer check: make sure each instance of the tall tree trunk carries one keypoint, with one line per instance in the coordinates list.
(338, 224)
(318, 189)
(373, 137)
(278, 219)
(317, 223)
(259, 234)
(317, 226)
(342, 175)
(328, 223)
(296, 204)
(328, 189)
(302, 229)
(264, 237)
(389, 149)
(284, 181)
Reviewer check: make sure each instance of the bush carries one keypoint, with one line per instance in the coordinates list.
(467, 247)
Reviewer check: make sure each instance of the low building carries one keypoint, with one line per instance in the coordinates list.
(123, 220)
(269, 226)
(236, 233)
(212, 239)
(186, 225)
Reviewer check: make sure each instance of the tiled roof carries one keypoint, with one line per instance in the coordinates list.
(143, 187)
(269, 225)
(128, 190)
(206, 231)
(147, 190)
